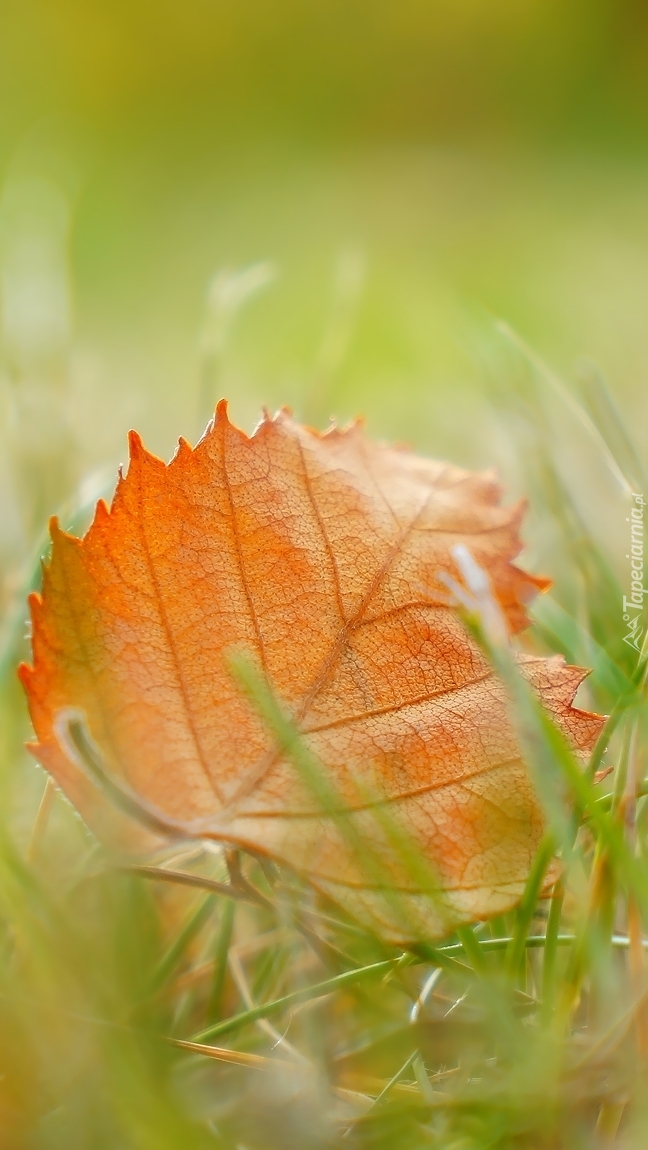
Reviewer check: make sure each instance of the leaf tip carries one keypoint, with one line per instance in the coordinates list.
(355, 428)
(184, 450)
(539, 584)
(37, 751)
(34, 601)
(102, 512)
(135, 445)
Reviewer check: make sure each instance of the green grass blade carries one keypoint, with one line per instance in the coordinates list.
(304, 994)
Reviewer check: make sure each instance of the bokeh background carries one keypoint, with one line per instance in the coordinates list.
(325, 204)
(433, 213)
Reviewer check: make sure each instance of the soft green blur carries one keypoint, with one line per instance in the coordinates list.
(431, 214)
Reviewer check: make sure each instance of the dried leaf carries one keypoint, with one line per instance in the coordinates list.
(320, 555)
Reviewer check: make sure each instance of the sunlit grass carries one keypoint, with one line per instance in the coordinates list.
(204, 998)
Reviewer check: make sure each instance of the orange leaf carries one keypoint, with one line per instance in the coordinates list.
(320, 555)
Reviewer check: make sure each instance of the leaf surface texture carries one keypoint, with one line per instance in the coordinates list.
(318, 554)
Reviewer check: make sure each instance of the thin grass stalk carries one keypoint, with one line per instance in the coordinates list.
(551, 952)
(42, 819)
(173, 957)
(221, 951)
(472, 949)
(304, 994)
(290, 743)
(528, 904)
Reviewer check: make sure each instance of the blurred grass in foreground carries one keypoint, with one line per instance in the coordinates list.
(201, 999)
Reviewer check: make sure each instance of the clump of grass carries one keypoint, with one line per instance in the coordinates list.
(204, 998)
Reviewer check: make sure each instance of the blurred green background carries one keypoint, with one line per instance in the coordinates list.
(326, 204)
(391, 175)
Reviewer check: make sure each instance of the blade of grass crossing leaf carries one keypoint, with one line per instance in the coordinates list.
(614, 718)
(553, 765)
(527, 717)
(290, 743)
(545, 749)
(578, 646)
(585, 796)
(417, 868)
(527, 907)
